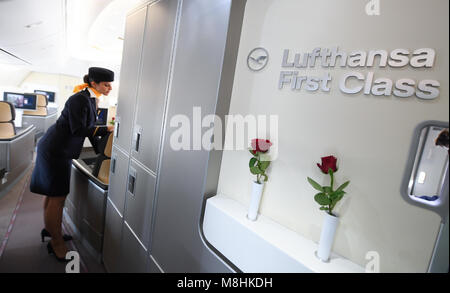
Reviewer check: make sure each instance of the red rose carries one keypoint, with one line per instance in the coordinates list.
(113, 118)
(327, 163)
(260, 145)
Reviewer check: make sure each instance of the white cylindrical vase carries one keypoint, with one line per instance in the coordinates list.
(329, 227)
(255, 200)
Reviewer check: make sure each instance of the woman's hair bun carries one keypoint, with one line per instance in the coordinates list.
(86, 79)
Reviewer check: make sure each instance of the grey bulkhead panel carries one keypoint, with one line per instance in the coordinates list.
(140, 179)
(151, 98)
(152, 267)
(113, 246)
(133, 253)
(94, 201)
(42, 123)
(205, 59)
(139, 201)
(118, 179)
(112, 240)
(19, 152)
(85, 206)
(126, 239)
(132, 49)
(202, 64)
(137, 218)
(78, 187)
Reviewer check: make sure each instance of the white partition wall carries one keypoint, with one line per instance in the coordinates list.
(369, 134)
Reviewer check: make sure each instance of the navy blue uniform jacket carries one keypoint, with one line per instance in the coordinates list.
(77, 121)
(63, 142)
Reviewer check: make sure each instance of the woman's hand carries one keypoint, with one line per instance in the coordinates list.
(110, 128)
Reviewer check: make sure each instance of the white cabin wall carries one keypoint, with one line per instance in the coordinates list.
(63, 85)
(369, 135)
(11, 76)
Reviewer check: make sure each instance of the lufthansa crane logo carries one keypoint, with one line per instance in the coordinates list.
(257, 59)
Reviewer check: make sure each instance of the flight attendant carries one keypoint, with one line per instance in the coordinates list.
(63, 142)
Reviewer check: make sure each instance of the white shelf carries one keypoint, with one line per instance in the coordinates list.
(264, 246)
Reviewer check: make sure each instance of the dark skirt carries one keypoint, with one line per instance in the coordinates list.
(51, 174)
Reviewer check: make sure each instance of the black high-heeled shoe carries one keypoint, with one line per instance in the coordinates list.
(52, 251)
(45, 233)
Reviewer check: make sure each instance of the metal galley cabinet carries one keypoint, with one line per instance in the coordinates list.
(178, 54)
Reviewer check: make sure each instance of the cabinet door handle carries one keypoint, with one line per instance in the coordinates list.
(116, 129)
(113, 165)
(132, 181)
(137, 138)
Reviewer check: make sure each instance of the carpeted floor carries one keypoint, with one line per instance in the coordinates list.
(8, 202)
(24, 252)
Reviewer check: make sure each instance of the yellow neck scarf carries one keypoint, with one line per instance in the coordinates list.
(85, 85)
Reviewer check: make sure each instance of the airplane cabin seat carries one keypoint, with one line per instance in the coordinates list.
(16, 147)
(103, 162)
(41, 107)
(7, 116)
(42, 118)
